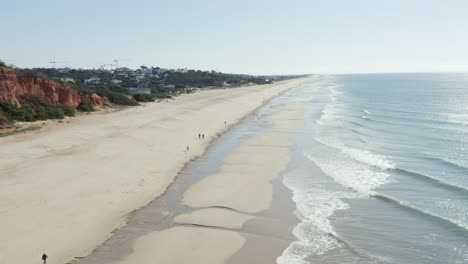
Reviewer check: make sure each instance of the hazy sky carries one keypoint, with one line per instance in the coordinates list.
(257, 37)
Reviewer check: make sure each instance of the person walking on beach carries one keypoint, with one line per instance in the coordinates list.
(203, 136)
(44, 258)
(199, 135)
(187, 148)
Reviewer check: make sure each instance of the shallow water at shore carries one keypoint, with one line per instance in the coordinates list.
(387, 193)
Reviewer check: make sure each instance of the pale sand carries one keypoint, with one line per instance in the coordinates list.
(244, 180)
(244, 184)
(185, 245)
(65, 190)
(216, 217)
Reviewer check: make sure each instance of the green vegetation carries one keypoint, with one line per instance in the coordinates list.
(143, 97)
(5, 121)
(35, 108)
(114, 85)
(121, 99)
(23, 113)
(192, 78)
(86, 106)
(116, 94)
(2, 64)
(163, 83)
(67, 111)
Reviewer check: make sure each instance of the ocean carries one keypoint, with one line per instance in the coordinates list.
(393, 154)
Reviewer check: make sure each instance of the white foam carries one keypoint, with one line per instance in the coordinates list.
(459, 119)
(351, 174)
(331, 111)
(363, 156)
(315, 235)
(315, 204)
(370, 158)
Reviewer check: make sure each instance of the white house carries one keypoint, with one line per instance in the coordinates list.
(93, 80)
(67, 80)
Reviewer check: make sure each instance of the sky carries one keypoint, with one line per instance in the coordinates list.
(253, 37)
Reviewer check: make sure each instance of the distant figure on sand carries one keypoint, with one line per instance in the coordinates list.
(199, 135)
(203, 136)
(44, 258)
(224, 122)
(187, 148)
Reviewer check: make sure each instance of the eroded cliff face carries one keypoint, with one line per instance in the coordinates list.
(14, 85)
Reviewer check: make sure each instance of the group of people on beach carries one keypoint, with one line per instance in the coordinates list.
(200, 136)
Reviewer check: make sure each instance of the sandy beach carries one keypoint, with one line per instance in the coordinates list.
(64, 189)
(223, 203)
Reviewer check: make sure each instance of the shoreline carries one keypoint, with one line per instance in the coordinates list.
(198, 149)
(246, 227)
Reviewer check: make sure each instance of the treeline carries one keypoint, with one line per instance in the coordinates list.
(114, 85)
(161, 83)
(200, 79)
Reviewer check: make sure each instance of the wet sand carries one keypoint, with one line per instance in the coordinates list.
(169, 231)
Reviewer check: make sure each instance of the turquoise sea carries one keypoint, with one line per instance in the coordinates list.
(393, 149)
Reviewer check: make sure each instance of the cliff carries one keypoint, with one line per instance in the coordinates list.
(15, 85)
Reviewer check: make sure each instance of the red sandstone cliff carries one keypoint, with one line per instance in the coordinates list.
(14, 85)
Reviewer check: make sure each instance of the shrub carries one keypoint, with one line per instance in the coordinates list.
(23, 113)
(28, 113)
(86, 106)
(54, 112)
(35, 108)
(143, 97)
(41, 116)
(120, 99)
(68, 111)
(5, 120)
(44, 110)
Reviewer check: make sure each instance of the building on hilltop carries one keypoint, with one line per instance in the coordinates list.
(67, 79)
(94, 80)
